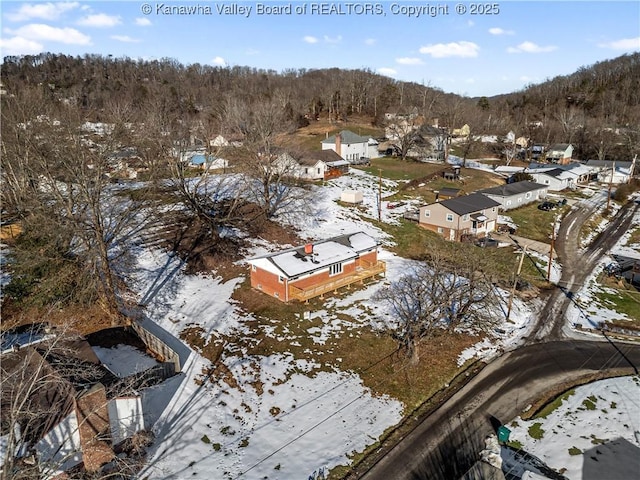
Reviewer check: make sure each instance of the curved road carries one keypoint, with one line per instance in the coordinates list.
(446, 443)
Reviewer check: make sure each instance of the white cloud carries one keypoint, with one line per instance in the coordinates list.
(625, 44)
(409, 61)
(333, 40)
(387, 71)
(125, 38)
(454, 49)
(143, 22)
(500, 31)
(252, 51)
(219, 61)
(100, 20)
(44, 11)
(370, 41)
(40, 31)
(530, 47)
(310, 39)
(20, 46)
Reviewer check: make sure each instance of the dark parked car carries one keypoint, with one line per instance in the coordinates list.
(547, 206)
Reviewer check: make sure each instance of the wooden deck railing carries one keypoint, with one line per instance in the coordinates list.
(364, 271)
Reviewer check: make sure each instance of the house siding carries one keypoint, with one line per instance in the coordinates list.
(459, 226)
(269, 283)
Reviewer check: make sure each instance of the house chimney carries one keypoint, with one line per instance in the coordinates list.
(308, 249)
(437, 192)
(338, 144)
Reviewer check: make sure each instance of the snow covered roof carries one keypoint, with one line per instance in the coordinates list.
(295, 262)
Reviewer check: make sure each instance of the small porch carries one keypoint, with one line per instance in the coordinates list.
(364, 271)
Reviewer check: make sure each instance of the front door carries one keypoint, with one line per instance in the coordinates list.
(452, 234)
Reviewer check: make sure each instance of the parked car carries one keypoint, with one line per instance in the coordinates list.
(546, 206)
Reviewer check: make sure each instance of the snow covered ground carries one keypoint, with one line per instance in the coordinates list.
(281, 417)
(595, 433)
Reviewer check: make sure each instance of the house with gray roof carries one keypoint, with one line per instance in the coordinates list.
(351, 147)
(457, 218)
(559, 153)
(517, 194)
(556, 179)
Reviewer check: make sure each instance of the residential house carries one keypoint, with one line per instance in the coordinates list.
(320, 165)
(351, 147)
(457, 218)
(517, 194)
(622, 171)
(556, 179)
(207, 162)
(559, 153)
(317, 268)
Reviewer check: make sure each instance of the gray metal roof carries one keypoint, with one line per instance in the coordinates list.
(469, 203)
(514, 188)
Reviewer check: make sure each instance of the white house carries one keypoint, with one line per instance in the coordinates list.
(615, 175)
(299, 166)
(350, 146)
(556, 179)
(559, 153)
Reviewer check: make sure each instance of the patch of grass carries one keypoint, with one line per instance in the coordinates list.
(624, 303)
(613, 405)
(590, 403)
(555, 404)
(216, 446)
(575, 451)
(597, 441)
(534, 223)
(515, 444)
(205, 439)
(244, 443)
(535, 431)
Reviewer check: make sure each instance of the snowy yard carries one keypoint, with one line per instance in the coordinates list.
(277, 416)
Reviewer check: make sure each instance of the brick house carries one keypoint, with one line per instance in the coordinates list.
(317, 268)
(470, 215)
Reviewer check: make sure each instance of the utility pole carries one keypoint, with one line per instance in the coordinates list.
(379, 194)
(553, 239)
(613, 171)
(515, 282)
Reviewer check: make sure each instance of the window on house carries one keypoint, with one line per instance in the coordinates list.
(276, 294)
(427, 213)
(259, 286)
(449, 217)
(306, 171)
(465, 218)
(281, 279)
(318, 170)
(508, 202)
(253, 268)
(335, 269)
(527, 195)
(440, 230)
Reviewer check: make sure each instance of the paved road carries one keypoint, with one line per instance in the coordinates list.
(446, 443)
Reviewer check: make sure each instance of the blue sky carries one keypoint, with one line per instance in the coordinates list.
(501, 50)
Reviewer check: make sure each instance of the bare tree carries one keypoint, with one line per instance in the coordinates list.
(439, 295)
(59, 186)
(270, 183)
